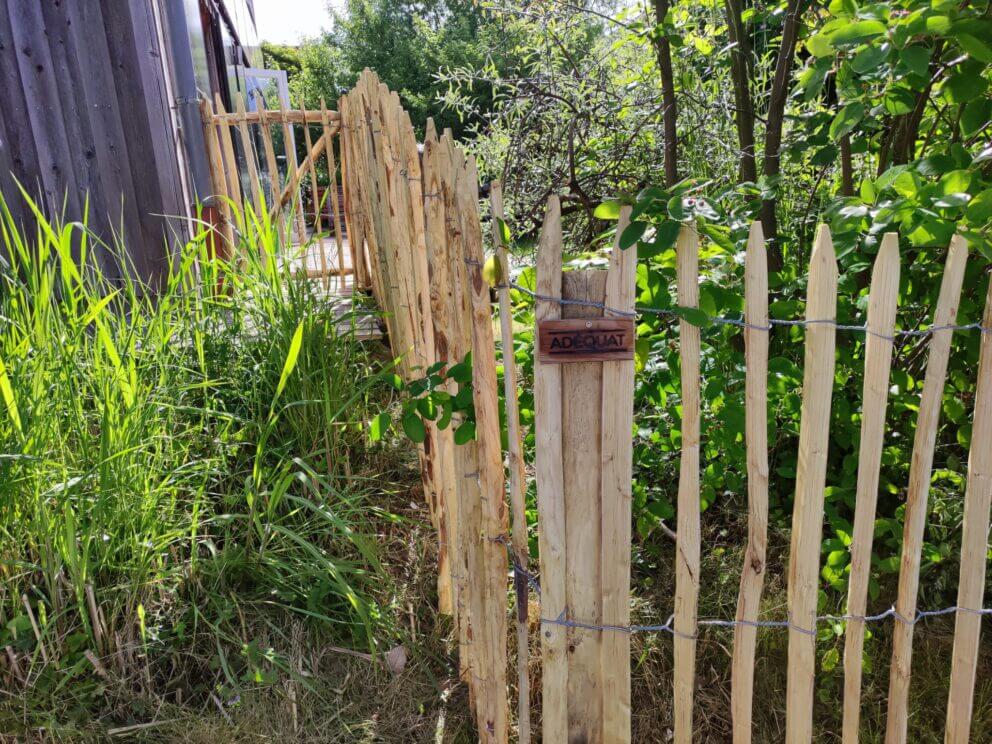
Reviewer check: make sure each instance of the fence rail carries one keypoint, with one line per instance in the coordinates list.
(419, 218)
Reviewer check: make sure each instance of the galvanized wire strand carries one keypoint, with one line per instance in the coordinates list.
(641, 310)
(667, 627)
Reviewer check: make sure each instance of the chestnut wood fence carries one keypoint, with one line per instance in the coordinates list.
(414, 211)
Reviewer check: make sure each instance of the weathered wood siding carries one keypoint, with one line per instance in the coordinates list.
(85, 118)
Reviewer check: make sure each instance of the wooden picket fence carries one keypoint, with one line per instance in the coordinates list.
(245, 170)
(417, 214)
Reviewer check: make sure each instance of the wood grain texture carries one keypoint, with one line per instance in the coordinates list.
(225, 245)
(312, 171)
(582, 391)
(515, 464)
(332, 187)
(807, 515)
(756, 339)
(882, 298)
(616, 465)
(588, 339)
(921, 466)
(550, 487)
(687, 541)
(974, 548)
(272, 166)
(231, 172)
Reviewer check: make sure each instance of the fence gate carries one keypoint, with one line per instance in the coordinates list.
(584, 397)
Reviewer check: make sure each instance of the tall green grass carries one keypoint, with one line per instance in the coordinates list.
(173, 462)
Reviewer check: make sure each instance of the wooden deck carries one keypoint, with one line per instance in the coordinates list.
(339, 289)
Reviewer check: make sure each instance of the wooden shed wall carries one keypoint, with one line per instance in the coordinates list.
(85, 115)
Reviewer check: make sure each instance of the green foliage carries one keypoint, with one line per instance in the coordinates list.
(174, 462)
(431, 399)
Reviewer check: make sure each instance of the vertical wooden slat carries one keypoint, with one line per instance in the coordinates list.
(921, 465)
(292, 175)
(515, 462)
(272, 166)
(550, 487)
(230, 161)
(248, 146)
(883, 294)
(218, 183)
(332, 185)
(615, 508)
(807, 516)
(687, 540)
(441, 312)
(756, 337)
(490, 628)
(974, 547)
(318, 231)
(582, 389)
(353, 204)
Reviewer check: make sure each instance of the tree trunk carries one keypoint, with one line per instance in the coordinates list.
(663, 52)
(846, 167)
(776, 116)
(740, 55)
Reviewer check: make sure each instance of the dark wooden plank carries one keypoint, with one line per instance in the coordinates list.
(137, 66)
(44, 107)
(17, 151)
(585, 340)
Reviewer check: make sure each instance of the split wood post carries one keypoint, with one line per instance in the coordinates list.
(616, 464)
(292, 175)
(921, 466)
(442, 309)
(882, 298)
(515, 462)
(224, 247)
(687, 535)
(974, 547)
(230, 161)
(250, 156)
(332, 187)
(550, 486)
(807, 515)
(324, 278)
(584, 452)
(490, 628)
(756, 339)
(272, 165)
(355, 199)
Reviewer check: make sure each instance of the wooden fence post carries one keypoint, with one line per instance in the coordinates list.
(687, 533)
(515, 464)
(550, 487)
(756, 338)
(883, 294)
(921, 465)
(974, 547)
(807, 514)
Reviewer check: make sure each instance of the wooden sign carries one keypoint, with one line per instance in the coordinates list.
(585, 340)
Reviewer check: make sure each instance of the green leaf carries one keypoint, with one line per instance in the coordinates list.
(675, 209)
(855, 33)
(378, 426)
(847, 118)
(290, 364)
(692, 315)
(427, 408)
(977, 46)
(465, 433)
(958, 199)
(980, 209)
(870, 58)
(898, 101)
(608, 210)
(955, 182)
(504, 231)
(830, 660)
(631, 234)
(413, 427)
(7, 390)
(976, 116)
(966, 84)
(820, 45)
(916, 59)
